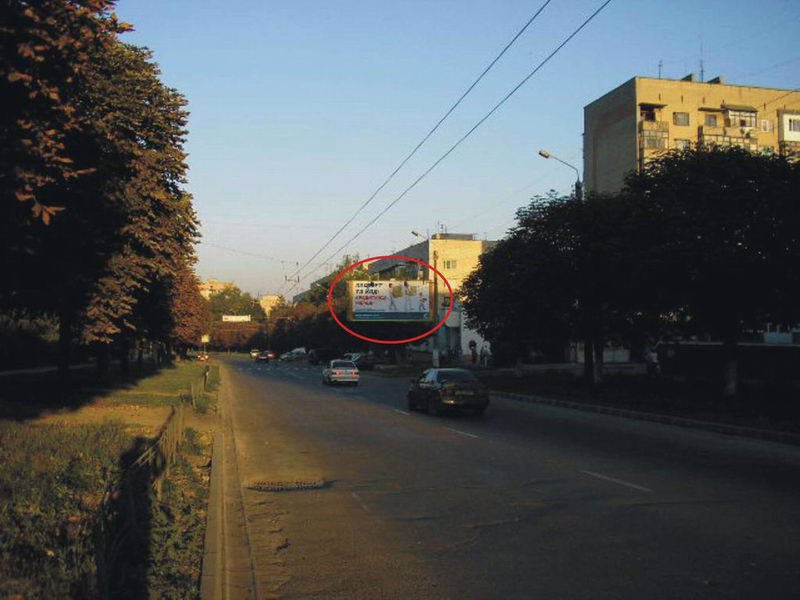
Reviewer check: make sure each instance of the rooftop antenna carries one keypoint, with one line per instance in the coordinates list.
(702, 71)
(660, 65)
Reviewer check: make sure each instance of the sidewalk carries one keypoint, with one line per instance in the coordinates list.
(38, 370)
(783, 437)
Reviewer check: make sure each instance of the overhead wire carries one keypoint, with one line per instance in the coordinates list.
(424, 139)
(480, 122)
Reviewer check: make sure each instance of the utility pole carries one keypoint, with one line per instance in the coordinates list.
(435, 336)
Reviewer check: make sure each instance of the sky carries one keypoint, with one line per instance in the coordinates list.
(300, 109)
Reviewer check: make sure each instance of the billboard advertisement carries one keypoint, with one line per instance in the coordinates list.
(390, 300)
(235, 318)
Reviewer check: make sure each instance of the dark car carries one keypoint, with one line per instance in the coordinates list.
(263, 356)
(318, 356)
(364, 361)
(440, 389)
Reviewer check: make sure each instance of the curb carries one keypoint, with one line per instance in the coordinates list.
(212, 568)
(783, 437)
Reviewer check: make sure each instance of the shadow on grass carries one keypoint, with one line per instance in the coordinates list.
(123, 540)
(24, 397)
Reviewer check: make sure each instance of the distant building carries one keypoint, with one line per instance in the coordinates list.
(268, 302)
(455, 256)
(646, 116)
(213, 286)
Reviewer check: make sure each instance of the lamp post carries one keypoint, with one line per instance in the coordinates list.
(592, 357)
(434, 338)
(578, 184)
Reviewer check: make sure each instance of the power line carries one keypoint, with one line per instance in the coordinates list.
(471, 131)
(424, 139)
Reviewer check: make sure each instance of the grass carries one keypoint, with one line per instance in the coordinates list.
(178, 525)
(52, 479)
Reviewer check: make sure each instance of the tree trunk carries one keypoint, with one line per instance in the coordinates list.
(124, 356)
(64, 344)
(589, 372)
(599, 346)
(730, 368)
(102, 359)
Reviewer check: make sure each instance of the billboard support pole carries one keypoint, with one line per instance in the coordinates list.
(435, 336)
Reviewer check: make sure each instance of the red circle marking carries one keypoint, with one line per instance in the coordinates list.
(436, 327)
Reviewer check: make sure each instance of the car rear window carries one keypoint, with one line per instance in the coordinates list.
(456, 376)
(342, 364)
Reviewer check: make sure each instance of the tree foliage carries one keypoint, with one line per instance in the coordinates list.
(93, 132)
(701, 242)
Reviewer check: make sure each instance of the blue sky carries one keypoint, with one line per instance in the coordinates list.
(300, 109)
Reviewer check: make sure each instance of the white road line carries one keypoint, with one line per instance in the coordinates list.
(619, 481)
(360, 501)
(402, 412)
(462, 432)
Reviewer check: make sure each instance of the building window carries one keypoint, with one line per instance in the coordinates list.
(680, 118)
(450, 264)
(683, 144)
(711, 120)
(765, 125)
(794, 125)
(647, 114)
(741, 118)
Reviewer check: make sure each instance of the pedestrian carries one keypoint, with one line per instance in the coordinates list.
(483, 355)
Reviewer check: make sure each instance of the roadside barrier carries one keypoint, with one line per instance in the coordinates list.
(123, 524)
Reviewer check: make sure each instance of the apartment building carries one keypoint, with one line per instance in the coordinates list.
(213, 286)
(646, 116)
(455, 255)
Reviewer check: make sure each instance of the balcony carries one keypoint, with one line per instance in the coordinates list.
(711, 130)
(654, 126)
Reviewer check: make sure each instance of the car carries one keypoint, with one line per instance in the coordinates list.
(437, 390)
(271, 354)
(202, 356)
(262, 356)
(340, 371)
(317, 356)
(254, 353)
(364, 361)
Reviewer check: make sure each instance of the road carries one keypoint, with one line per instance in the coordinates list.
(525, 502)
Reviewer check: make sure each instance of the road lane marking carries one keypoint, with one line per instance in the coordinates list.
(472, 435)
(360, 501)
(402, 412)
(619, 481)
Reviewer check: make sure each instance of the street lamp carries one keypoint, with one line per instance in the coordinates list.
(578, 185)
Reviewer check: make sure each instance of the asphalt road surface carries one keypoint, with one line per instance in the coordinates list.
(525, 502)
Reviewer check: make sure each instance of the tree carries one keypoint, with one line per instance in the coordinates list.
(190, 312)
(232, 301)
(46, 49)
(127, 225)
(718, 243)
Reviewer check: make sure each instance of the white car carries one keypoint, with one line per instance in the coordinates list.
(340, 371)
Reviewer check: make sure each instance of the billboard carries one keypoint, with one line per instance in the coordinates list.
(390, 300)
(235, 318)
